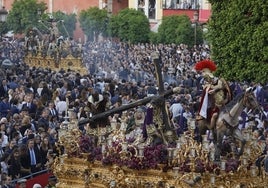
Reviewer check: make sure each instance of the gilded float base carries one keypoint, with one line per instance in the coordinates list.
(79, 173)
(67, 63)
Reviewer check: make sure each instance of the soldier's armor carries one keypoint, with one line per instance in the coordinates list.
(222, 93)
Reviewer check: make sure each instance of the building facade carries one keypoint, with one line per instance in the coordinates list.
(75, 6)
(153, 9)
(156, 9)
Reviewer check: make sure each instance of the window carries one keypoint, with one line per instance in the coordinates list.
(148, 7)
(141, 5)
(151, 9)
(180, 4)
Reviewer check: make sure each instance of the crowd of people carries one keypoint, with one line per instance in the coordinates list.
(34, 101)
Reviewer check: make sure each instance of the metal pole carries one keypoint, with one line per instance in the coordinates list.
(195, 25)
(196, 18)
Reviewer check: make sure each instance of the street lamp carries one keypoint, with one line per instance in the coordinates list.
(196, 18)
(3, 14)
(3, 19)
(39, 12)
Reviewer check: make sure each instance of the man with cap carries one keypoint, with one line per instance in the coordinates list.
(216, 92)
(52, 180)
(22, 183)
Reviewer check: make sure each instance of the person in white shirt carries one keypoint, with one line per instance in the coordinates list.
(176, 108)
(4, 163)
(4, 139)
(61, 107)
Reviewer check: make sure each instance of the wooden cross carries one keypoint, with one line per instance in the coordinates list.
(158, 101)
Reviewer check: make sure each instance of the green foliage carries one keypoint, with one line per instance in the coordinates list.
(238, 34)
(113, 28)
(130, 25)
(153, 37)
(24, 15)
(67, 25)
(179, 29)
(3, 28)
(93, 22)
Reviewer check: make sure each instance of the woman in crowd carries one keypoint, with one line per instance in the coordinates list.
(45, 147)
(14, 169)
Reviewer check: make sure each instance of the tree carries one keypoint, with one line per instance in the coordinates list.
(238, 35)
(3, 29)
(24, 14)
(94, 22)
(178, 29)
(66, 23)
(130, 25)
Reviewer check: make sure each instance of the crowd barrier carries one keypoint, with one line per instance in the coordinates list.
(40, 177)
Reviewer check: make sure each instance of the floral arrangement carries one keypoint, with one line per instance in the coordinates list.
(154, 157)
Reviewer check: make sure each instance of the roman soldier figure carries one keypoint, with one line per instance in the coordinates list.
(216, 92)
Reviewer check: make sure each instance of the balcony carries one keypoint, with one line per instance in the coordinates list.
(203, 14)
(184, 8)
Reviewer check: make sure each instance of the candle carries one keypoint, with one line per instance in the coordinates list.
(113, 125)
(176, 171)
(170, 150)
(204, 138)
(244, 160)
(140, 151)
(212, 152)
(124, 146)
(182, 138)
(192, 152)
(178, 144)
(67, 106)
(253, 171)
(109, 141)
(61, 160)
(248, 151)
(175, 152)
(212, 155)
(206, 145)
(223, 165)
(103, 148)
(246, 135)
(212, 179)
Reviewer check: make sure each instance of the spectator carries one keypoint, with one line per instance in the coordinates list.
(33, 156)
(5, 107)
(52, 180)
(37, 185)
(14, 169)
(6, 183)
(4, 88)
(15, 133)
(22, 183)
(4, 163)
(45, 147)
(43, 121)
(25, 161)
(4, 139)
(176, 108)
(11, 146)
